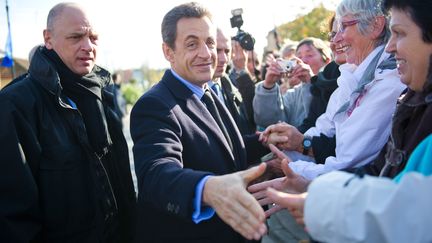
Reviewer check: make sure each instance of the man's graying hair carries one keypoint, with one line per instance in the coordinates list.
(55, 12)
(365, 12)
(187, 10)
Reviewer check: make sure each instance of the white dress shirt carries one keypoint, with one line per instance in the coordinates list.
(361, 133)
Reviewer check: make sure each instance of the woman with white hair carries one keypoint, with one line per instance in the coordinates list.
(340, 207)
(360, 110)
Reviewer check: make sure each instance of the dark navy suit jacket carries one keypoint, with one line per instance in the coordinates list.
(176, 144)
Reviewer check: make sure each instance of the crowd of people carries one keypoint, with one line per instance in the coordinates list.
(327, 141)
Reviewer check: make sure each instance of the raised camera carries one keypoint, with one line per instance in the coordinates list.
(246, 40)
(287, 65)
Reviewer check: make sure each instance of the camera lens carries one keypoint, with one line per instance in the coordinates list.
(247, 42)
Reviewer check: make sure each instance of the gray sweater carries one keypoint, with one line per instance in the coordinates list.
(271, 107)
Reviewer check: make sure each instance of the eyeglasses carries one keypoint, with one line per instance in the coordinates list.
(344, 24)
(331, 35)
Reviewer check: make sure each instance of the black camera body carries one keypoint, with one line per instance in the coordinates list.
(245, 39)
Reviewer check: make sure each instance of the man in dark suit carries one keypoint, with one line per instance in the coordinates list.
(238, 101)
(184, 151)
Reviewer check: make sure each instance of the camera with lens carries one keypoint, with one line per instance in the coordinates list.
(246, 40)
(287, 65)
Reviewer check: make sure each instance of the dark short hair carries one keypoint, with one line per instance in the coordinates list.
(419, 11)
(186, 10)
(114, 76)
(318, 44)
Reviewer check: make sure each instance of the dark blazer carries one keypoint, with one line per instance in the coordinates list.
(176, 144)
(239, 102)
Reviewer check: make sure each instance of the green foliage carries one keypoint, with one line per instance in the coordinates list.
(152, 76)
(313, 24)
(133, 81)
(131, 92)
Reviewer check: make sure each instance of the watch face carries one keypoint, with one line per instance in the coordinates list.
(307, 143)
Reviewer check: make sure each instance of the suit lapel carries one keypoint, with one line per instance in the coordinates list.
(197, 110)
(233, 130)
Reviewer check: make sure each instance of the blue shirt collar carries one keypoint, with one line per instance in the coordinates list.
(198, 91)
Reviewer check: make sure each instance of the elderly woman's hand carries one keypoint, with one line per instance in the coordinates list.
(302, 72)
(283, 135)
(273, 74)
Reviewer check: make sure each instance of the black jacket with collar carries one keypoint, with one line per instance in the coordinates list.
(53, 187)
(239, 102)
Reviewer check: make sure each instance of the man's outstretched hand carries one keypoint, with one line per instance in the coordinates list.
(228, 196)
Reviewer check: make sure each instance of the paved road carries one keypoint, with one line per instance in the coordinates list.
(126, 131)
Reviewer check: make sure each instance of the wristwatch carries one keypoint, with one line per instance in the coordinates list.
(307, 144)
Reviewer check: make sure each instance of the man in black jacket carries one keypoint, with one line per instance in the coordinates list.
(238, 102)
(65, 173)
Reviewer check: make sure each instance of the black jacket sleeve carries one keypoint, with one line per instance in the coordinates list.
(19, 207)
(246, 87)
(323, 147)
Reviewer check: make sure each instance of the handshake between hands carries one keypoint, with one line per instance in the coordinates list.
(286, 192)
(289, 190)
(241, 208)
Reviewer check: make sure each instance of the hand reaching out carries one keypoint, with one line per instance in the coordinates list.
(273, 74)
(292, 182)
(274, 165)
(227, 195)
(294, 203)
(239, 56)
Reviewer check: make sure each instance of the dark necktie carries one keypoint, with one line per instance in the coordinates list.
(211, 107)
(215, 88)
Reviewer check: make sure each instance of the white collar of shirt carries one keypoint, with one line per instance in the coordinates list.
(197, 90)
(352, 73)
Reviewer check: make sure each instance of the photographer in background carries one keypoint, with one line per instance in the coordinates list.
(239, 104)
(244, 59)
(244, 62)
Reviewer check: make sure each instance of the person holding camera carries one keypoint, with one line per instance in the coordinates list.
(292, 107)
(237, 101)
(244, 58)
(243, 62)
(360, 110)
(340, 207)
(269, 105)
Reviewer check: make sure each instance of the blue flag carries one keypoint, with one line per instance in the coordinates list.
(7, 60)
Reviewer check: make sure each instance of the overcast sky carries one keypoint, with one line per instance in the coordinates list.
(130, 29)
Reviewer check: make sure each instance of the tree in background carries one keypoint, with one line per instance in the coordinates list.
(313, 24)
(132, 91)
(151, 75)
